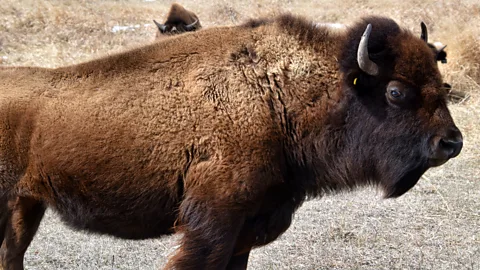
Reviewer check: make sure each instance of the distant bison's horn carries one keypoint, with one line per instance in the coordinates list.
(192, 26)
(160, 26)
(424, 35)
(442, 48)
(364, 62)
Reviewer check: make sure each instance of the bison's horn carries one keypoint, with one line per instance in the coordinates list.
(192, 26)
(424, 35)
(161, 27)
(364, 62)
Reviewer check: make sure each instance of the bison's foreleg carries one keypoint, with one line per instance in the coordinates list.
(239, 262)
(22, 224)
(4, 217)
(209, 235)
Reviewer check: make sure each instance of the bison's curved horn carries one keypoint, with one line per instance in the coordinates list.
(192, 26)
(442, 48)
(364, 62)
(424, 35)
(161, 27)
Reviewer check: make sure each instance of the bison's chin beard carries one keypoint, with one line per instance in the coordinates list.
(395, 188)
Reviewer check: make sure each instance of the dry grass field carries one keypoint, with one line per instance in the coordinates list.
(434, 226)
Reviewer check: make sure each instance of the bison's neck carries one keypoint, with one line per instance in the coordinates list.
(319, 157)
(303, 83)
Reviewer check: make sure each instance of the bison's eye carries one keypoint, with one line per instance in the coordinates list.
(397, 93)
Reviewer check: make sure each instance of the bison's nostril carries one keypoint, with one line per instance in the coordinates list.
(452, 144)
(447, 146)
(452, 147)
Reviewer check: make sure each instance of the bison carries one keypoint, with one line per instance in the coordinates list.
(219, 135)
(179, 20)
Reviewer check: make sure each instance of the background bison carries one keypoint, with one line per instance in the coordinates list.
(179, 20)
(336, 229)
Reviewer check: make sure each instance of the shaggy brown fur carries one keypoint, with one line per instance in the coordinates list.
(176, 23)
(220, 135)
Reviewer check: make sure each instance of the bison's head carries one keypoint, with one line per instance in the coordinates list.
(397, 121)
(179, 20)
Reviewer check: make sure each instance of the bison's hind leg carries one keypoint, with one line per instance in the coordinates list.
(19, 229)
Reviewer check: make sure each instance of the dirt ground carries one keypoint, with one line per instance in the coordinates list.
(434, 226)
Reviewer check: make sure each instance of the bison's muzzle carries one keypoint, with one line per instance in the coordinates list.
(446, 147)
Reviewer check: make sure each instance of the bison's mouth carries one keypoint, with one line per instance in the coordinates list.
(404, 183)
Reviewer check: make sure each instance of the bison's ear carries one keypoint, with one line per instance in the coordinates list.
(359, 82)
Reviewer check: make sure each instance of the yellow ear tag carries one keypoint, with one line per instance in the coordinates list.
(355, 81)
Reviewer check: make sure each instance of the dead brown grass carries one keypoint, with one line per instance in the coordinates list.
(435, 226)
